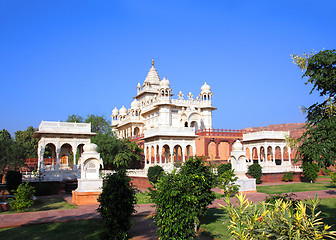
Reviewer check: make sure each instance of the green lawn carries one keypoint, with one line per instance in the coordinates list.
(295, 187)
(44, 204)
(213, 226)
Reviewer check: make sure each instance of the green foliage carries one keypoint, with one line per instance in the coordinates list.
(276, 221)
(23, 197)
(255, 171)
(99, 124)
(117, 202)
(25, 139)
(11, 153)
(181, 198)
(116, 152)
(288, 176)
(13, 180)
(75, 118)
(318, 142)
(333, 177)
(310, 170)
(223, 168)
(154, 173)
(226, 182)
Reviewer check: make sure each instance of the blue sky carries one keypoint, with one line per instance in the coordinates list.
(59, 58)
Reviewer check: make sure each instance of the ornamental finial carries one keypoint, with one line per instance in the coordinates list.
(153, 62)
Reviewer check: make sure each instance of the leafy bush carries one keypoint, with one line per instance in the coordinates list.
(13, 180)
(310, 170)
(117, 202)
(181, 198)
(277, 220)
(226, 182)
(154, 173)
(23, 197)
(254, 171)
(288, 177)
(333, 177)
(223, 168)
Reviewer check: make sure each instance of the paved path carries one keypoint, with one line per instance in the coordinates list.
(143, 211)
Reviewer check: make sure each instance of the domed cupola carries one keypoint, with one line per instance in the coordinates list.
(123, 111)
(165, 83)
(205, 88)
(206, 93)
(135, 104)
(237, 146)
(115, 112)
(90, 148)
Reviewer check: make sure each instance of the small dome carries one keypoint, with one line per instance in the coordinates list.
(165, 83)
(139, 85)
(152, 76)
(237, 146)
(90, 147)
(115, 112)
(206, 88)
(135, 104)
(123, 111)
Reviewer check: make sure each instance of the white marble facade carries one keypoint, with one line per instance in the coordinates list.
(167, 125)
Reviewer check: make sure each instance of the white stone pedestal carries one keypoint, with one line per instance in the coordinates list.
(89, 185)
(247, 185)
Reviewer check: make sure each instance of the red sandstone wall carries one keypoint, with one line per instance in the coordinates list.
(141, 183)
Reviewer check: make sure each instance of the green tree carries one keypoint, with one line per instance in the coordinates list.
(27, 142)
(11, 153)
(99, 124)
(75, 118)
(116, 152)
(318, 142)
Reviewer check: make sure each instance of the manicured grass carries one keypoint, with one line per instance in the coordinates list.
(84, 229)
(44, 204)
(215, 224)
(143, 197)
(295, 187)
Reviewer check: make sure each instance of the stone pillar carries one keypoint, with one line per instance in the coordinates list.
(282, 150)
(251, 154)
(273, 148)
(40, 153)
(58, 152)
(160, 154)
(258, 153)
(150, 155)
(74, 151)
(217, 144)
(289, 156)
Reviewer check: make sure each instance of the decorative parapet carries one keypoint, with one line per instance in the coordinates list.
(219, 132)
(137, 137)
(277, 135)
(65, 127)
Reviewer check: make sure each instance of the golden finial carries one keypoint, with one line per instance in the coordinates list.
(153, 62)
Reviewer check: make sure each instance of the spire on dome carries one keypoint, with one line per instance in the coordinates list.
(152, 76)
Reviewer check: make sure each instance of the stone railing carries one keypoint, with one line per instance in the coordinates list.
(280, 135)
(219, 132)
(65, 127)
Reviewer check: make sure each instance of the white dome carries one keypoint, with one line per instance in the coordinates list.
(206, 88)
(139, 85)
(115, 112)
(135, 104)
(123, 111)
(90, 147)
(165, 83)
(237, 146)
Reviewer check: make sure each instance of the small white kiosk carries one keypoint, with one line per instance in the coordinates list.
(238, 160)
(90, 184)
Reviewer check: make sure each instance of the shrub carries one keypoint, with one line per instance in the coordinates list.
(288, 177)
(23, 197)
(276, 221)
(13, 180)
(226, 182)
(117, 202)
(289, 198)
(254, 171)
(181, 198)
(154, 173)
(333, 177)
(223, 168)
(310, 170)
